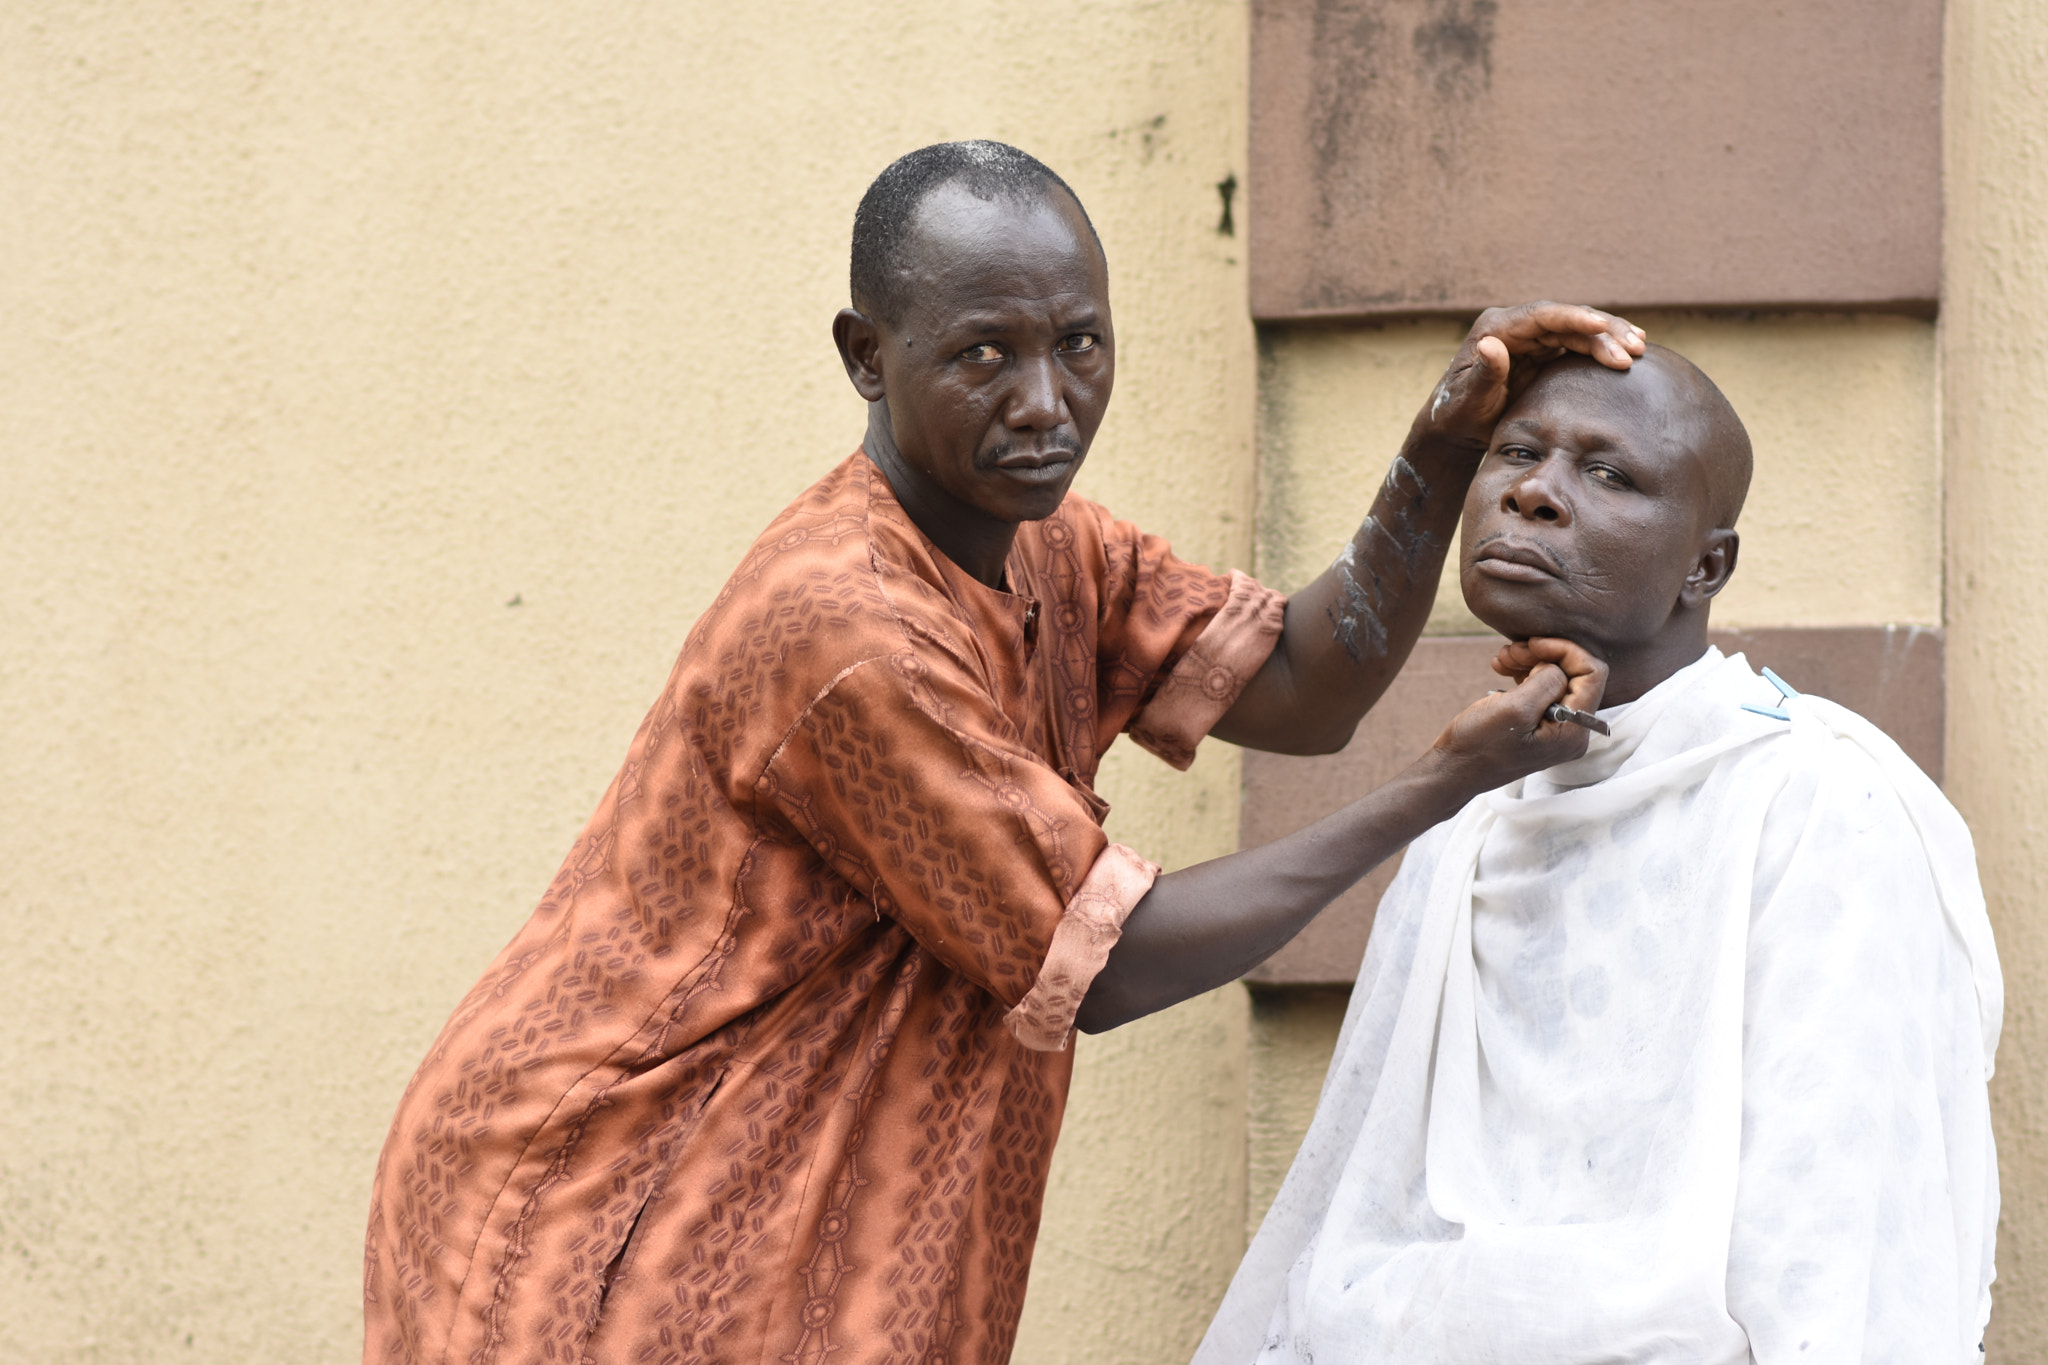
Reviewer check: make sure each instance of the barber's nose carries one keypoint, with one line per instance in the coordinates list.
(1532, 496)
(1039, 400)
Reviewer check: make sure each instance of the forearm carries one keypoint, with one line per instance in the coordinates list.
(1209, 924)
(1349, 632)
(1361, 617)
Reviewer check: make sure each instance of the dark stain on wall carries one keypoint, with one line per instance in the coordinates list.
(1347, 60)
(1454, 42)
(1406, 156)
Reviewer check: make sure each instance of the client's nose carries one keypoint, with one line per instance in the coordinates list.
(1531, 496)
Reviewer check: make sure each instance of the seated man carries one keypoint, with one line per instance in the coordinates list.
(1673, 1052)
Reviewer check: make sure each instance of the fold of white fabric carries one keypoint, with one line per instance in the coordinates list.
(1676, 1053)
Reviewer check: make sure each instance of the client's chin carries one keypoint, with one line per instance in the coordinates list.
(1503, 607)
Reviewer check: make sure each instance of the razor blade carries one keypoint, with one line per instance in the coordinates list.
(1564, 715)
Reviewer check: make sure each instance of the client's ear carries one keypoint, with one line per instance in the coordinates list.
(1712, 570)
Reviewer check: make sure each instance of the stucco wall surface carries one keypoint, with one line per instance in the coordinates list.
(1293, 1034)
(384, 389)
(1843, 522)
(1995, 411)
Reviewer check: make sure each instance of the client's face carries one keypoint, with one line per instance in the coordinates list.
(1590, 511)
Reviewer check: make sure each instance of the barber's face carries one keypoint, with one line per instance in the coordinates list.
(997, 374)
(1589, 516)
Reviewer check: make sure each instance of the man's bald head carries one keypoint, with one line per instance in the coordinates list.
(1721, 440)
(1692, 411)
(885, 224)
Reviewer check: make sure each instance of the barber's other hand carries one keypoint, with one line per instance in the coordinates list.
(1504, 736)
(1503, 352)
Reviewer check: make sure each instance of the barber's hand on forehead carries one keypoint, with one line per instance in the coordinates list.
(1504, 736)
(1503, 352)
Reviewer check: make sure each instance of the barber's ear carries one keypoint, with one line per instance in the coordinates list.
(860, 347)
(1712, 570)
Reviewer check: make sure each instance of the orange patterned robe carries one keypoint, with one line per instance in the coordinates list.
(774, 1072)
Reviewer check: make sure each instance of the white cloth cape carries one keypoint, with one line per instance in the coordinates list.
(1675, 1053)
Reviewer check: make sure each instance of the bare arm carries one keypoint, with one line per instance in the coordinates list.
(1208, 924)
(1349, 632)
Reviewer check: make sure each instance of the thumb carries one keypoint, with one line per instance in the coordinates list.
(1493, 353)
(1473, 388)
(1543, 685)
(1529, 698)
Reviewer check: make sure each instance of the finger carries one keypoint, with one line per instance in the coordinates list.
(1535, 694)
(1627, 338)
(1513, 660)
(1581, 320)
(1545, 684)
(1611, 340)
(1611, 349)
(1473, 388)
(1527, 322)
(1585, 671)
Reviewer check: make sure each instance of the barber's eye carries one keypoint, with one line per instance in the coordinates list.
(1079, 341)
(987, 350)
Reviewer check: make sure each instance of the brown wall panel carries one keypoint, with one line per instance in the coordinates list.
(1893, 675)
(1417, 156)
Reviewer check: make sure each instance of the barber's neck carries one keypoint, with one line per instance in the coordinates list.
(970, 537)
(1634, 667)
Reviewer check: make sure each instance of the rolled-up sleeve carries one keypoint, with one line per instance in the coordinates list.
(1209, 677)
(909, 783)
(1094, 920)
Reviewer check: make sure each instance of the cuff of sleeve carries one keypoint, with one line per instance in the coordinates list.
(1044, 1019)
(1207, 680)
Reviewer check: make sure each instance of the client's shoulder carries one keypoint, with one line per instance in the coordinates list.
(1810, 734)
(1853, 813)
(1852, 759)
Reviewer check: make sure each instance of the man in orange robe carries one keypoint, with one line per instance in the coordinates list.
(775, 1070)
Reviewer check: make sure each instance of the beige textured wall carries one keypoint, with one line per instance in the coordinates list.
(1293, 1033)
(384, 388)
(1995, 412)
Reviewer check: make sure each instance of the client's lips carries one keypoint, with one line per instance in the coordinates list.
(1512, 560)
(1037, 466)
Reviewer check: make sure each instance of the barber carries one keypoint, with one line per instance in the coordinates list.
(775, 1069)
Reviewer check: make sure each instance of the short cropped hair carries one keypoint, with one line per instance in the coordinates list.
(883, 224)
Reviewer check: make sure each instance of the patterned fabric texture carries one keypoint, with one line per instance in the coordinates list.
(753, 1083)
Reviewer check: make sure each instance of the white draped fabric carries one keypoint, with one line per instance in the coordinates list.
(1676, 1053)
